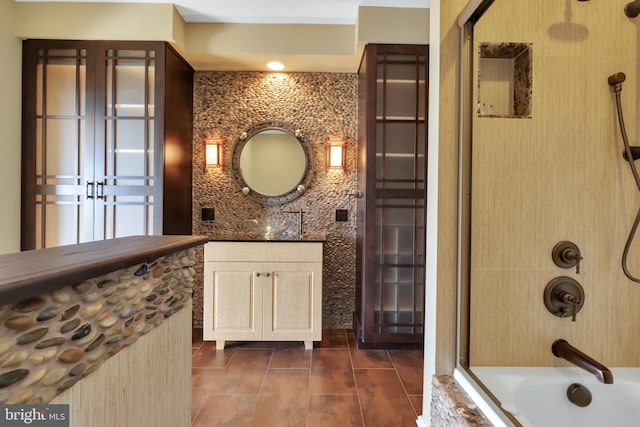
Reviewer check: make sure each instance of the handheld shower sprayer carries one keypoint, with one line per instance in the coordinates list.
(630, 154)
(616, 80)
(632, 9)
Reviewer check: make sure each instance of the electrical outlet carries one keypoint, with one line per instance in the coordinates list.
(342, 215)
(208, 214)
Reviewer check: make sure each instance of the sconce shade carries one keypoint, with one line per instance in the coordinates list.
(213, 149)
(336, 152)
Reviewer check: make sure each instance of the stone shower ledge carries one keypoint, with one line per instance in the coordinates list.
(36, 272)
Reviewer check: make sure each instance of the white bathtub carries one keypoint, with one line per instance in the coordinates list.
(537, 397)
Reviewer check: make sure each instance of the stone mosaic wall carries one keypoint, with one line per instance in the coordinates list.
(319, 104)
(451, 407)
(50, 342)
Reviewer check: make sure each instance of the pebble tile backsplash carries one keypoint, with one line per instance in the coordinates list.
(320, 105)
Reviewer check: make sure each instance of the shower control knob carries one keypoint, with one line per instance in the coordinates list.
(564, 297)
(567, 255)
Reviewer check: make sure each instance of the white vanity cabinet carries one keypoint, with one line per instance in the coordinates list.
(262, 291)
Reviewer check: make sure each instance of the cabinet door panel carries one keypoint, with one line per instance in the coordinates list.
(290, 299)
(125, 143)
(57, 128)
(236, 301)
(391, 235)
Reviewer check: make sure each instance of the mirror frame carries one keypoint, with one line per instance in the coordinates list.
(298, 189)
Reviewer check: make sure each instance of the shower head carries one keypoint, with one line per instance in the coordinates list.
(632, 9)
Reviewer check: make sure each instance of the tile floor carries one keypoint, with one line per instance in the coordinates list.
(280, 384)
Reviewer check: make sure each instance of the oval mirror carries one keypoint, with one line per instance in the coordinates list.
(272, 163)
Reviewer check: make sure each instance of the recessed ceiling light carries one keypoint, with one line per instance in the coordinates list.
(275, 66)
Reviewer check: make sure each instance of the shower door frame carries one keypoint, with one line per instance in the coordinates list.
(466, 21)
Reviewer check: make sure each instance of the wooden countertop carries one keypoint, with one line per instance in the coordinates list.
(36, 272)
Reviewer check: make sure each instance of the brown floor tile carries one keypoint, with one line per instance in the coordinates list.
(409, 364)
(208, 357)
(243, 375)
(368, 359)
(416, 402)
(196, 337)
(331, 372)
(338, 411)
(202, 383)
(290, 356)
(383, 400)
(283, 399)
(266, 384)
(226, 411)
(333, 338)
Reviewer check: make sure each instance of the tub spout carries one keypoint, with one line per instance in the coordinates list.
(561, 348)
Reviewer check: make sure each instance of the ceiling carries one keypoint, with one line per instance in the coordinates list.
(267, 11)
(281, 11)
(251, 56)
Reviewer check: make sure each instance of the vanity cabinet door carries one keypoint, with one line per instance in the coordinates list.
(292, 302)
(233, 301)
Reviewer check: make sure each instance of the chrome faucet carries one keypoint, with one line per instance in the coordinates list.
(299, 213)
(561, 348)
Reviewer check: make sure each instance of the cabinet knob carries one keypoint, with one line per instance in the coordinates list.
(267, 274)
(257, 274)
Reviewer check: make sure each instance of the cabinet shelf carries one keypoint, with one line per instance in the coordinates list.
(394, 265)
(399, 119)
(400, 155)
(401, 81)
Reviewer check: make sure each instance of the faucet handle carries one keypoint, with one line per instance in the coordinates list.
(573, 257)
(299, 213)
(566, 255)
(573, 302)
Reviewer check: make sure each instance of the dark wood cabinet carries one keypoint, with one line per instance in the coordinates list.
(106, 141)
(392, 189)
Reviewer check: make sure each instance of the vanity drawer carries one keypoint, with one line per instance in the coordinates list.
(263, 251)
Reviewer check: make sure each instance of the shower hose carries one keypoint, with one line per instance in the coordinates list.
(616, 81)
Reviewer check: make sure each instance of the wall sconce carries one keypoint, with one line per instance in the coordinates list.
(213, 152)
(336, 150)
